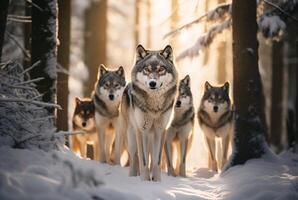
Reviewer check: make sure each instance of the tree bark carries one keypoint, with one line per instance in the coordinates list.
(3, 19)
(95, 40)
(296, 103)
(27, 36)
(137, 23)
(277, 96)
(44, 48)
(249, 130)
(63, 59)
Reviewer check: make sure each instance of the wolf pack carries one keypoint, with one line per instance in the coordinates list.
(151, 118)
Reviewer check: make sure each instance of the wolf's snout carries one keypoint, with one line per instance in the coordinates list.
(215, 108)
(178, 103)
(84, 124)
(152, 84)
(111, 97)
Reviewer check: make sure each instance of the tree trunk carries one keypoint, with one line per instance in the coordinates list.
(63, 59)
(249, 130)
(27, 36)
(137, 23)
(3, 19)
(95, 40)
(277, 96)
(296, 103)
(44, 48)
(148, 32)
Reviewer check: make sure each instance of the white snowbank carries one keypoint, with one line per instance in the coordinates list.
(28, 174)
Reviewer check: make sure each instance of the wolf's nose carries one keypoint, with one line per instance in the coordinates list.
(111, 97)
(178, 103)
(215, 108)
(152, 84)
(84, 124)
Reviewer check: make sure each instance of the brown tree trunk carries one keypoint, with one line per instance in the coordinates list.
(249, 130)
(3, 19)
(44, 48)
(148, 32)
(277, 96)
(95, 40)
(296, 103)
(63, 59)
(137, 23)
(221, 62)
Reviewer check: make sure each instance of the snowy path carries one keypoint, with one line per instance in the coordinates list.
(26, 174)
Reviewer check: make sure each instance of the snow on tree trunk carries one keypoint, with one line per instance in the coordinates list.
(44, 47)
(3, 18)
(249, 130)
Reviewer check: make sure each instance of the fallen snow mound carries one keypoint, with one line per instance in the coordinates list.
(35, 174)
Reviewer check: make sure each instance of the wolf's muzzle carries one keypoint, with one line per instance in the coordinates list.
(152, 85)
(215, 108)
(178, 103)
(111, 97)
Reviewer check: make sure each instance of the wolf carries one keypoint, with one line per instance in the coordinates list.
(215, 117)
(84, 120)
(107, 96)
(147, 105)
(180, 132)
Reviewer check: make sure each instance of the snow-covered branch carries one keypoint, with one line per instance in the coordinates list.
(205, 40)
(219, 12)
(24, 120)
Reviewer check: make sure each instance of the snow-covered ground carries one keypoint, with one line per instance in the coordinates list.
(35, 174)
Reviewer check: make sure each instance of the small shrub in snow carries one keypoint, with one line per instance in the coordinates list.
(24, 120)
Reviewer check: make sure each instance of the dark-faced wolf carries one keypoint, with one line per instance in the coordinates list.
(147, 105)
(83, 120)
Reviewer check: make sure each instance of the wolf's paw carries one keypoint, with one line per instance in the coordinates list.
(144, 175)
(156, 174)
(214, 166)
(132, 171)
(171, 171)
(182, 171)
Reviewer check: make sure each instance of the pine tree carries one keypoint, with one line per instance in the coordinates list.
(3, 18)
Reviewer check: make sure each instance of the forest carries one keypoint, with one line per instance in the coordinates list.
(147, 99)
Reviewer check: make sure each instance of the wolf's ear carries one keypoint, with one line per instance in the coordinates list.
(207, 86)
(186, 80)
(120, 72)
(78, 101)
(226, 87)
(167, 52)
(141, 52)
(101, 70)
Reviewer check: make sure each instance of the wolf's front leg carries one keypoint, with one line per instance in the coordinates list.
(212, 164)
(101, 139)
(183, 147)
(83, 148)
(224, 149)
(142, 154)
(132, 150)
(158, 143)
(169, 150)
(118, 144)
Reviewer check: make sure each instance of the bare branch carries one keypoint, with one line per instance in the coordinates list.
(18, 44)
(30, 81)
(31, 67)
(38, 103)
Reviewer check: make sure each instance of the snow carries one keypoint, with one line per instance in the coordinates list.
(32, 174)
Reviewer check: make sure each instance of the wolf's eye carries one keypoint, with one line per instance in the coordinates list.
(116, 85)
(146, 70)
(106, 85)
(161, 70)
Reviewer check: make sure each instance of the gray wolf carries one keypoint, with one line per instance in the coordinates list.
(84, 120)
(107, 96)
(147, 105)
(180, 133)
(215, 117)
